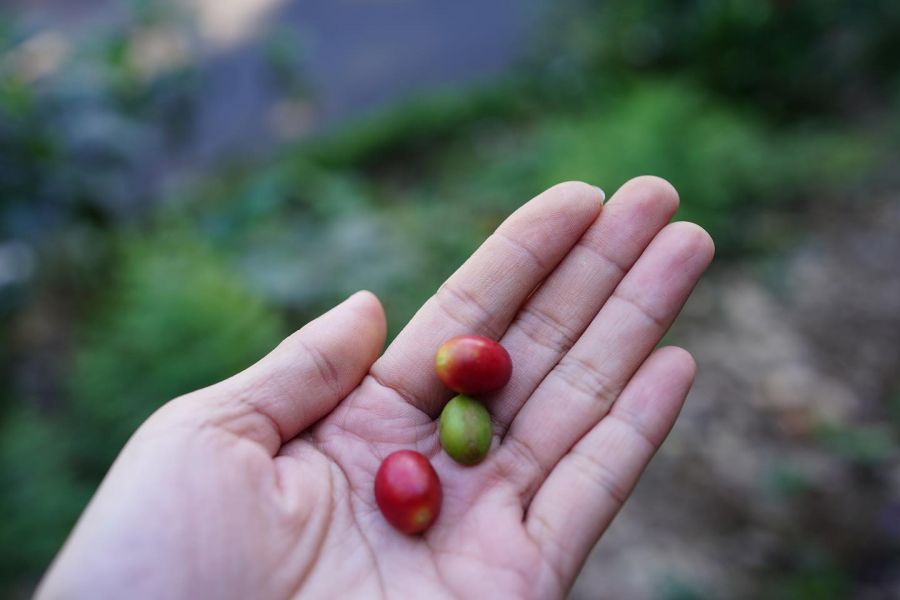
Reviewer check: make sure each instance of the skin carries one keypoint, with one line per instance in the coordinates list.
(261, 486)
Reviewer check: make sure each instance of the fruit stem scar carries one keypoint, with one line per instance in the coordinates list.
(422, 516)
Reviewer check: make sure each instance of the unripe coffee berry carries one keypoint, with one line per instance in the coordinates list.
(465, 430)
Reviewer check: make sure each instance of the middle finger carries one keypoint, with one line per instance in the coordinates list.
(560, 310)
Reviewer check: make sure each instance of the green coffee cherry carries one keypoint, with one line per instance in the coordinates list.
(465, 430)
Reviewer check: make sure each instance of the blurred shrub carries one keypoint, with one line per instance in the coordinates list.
(788, 56)
(304, 237)
(41, 496)
(872, 445)
(730, 166)
(720, 160)
(422, 125)
(176, 319)
(78, 122)
(815, 577)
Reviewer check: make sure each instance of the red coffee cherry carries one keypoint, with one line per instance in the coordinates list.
(473, 364)
(408, 491)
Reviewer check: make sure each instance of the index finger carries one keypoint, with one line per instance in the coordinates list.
(485, 293)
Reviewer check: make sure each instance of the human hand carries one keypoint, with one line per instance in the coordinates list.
(261, 486)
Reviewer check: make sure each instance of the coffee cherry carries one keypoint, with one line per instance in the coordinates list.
(408, 491)
(465, 430)
(473, 364)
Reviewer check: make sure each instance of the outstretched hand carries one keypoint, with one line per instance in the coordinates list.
(261, 486)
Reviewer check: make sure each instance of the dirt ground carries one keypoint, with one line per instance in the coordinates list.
(782, 476)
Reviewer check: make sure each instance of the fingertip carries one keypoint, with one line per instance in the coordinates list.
(679, 360)
(653, 189)
(687, 244)
(366, 301)
(368, 305)
(697, 237)
(579, 191)
(568, 208)
(658, 390)
(654, 185)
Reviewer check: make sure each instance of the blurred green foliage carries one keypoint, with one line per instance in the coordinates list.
(77, 124)
(788, 58)
(174, 321)
(752, 108)
(41, 497)
(728, 165)
(816, 578)
(864, 445)
(672, 589)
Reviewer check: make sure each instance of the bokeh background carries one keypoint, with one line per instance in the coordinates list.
(184, 182)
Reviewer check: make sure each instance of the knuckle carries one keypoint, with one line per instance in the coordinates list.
(546, 330)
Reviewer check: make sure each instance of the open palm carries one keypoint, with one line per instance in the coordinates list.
(261, 486)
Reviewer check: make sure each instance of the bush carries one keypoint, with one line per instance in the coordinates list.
(789, 58)
(730, 167)
(176, 320)
(41, 496)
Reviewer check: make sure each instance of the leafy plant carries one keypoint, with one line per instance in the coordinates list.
(176, 319)
(788, 58)
(41, 495)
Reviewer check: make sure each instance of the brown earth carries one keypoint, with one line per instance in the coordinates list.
(785, 460)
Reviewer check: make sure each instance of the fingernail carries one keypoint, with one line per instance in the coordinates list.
(602, 193)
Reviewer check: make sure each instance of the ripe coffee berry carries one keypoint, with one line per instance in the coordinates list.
(472, 364)
(408, 491)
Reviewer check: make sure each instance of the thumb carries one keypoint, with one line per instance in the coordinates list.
(305, 377)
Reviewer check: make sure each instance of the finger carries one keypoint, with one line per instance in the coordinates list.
(556, 315)
(304, 378)
(580, 389)
(485, 293)
(585, 490)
